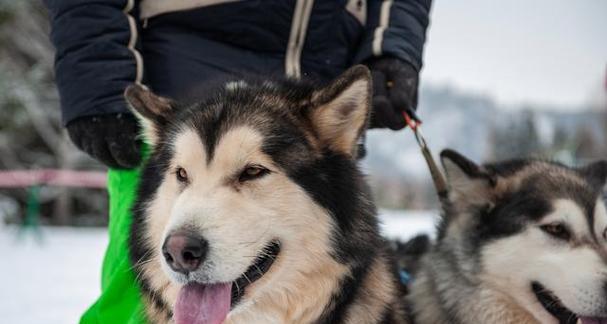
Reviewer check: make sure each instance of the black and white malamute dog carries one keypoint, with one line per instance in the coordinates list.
(252, 209)
(519, 242)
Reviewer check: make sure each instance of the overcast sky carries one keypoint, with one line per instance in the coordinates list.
(520, 51)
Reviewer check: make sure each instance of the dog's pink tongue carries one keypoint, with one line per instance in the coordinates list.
(593, 320)
(203, 304)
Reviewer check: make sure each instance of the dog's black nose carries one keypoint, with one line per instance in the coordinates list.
(184, 252)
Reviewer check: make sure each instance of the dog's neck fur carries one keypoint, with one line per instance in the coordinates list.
(451, 300)
(447, 291)
(296, 302)
(375, 301)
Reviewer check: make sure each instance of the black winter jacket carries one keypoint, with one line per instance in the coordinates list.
(174, 45)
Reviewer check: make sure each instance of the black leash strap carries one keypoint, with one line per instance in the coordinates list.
(437, 177)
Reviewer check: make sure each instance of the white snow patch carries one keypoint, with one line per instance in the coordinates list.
(397, 224)
(51, 281)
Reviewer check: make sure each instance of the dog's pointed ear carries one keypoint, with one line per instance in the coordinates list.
(596, 174)
(468, 182)
(340, 111)
(152, 110)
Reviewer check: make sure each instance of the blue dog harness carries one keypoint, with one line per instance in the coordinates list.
(405, 277)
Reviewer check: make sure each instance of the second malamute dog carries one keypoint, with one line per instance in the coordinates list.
(252, 209)
(519, 242)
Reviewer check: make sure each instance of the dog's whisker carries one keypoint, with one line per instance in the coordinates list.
(245, 276)
(141, 262)
(237, 287)
(258, 270)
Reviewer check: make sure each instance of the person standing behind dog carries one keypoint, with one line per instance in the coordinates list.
(173, 46)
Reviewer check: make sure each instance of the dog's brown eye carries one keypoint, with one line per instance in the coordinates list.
(182, 175)
(252, 172)
(605, 234)
(557, 230)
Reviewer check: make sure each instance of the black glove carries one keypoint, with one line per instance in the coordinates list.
(110, 139)
(394, 91)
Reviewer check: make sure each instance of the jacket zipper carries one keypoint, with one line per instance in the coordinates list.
(299, 26)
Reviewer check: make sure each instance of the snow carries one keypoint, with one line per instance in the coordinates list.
(401, 225)
(53, 280)
(49, 281)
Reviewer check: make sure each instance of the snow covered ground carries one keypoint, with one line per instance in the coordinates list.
(405, 224)
(51, 281)
(54, 280)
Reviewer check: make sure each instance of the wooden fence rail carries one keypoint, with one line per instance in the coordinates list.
(52, 177)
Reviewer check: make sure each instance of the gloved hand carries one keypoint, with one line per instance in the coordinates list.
(110, 139)
(395, 85)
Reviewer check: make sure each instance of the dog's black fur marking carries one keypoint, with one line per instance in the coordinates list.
(151, 177)
(596, 174)
(340, 189)
(388, 316)
(336, 312)
(507, 168)
(509, 217)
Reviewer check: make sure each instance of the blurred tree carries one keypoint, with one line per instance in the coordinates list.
(603, 111)
(586, 147)
(31, 135)
(561, 140)
(518, 139)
